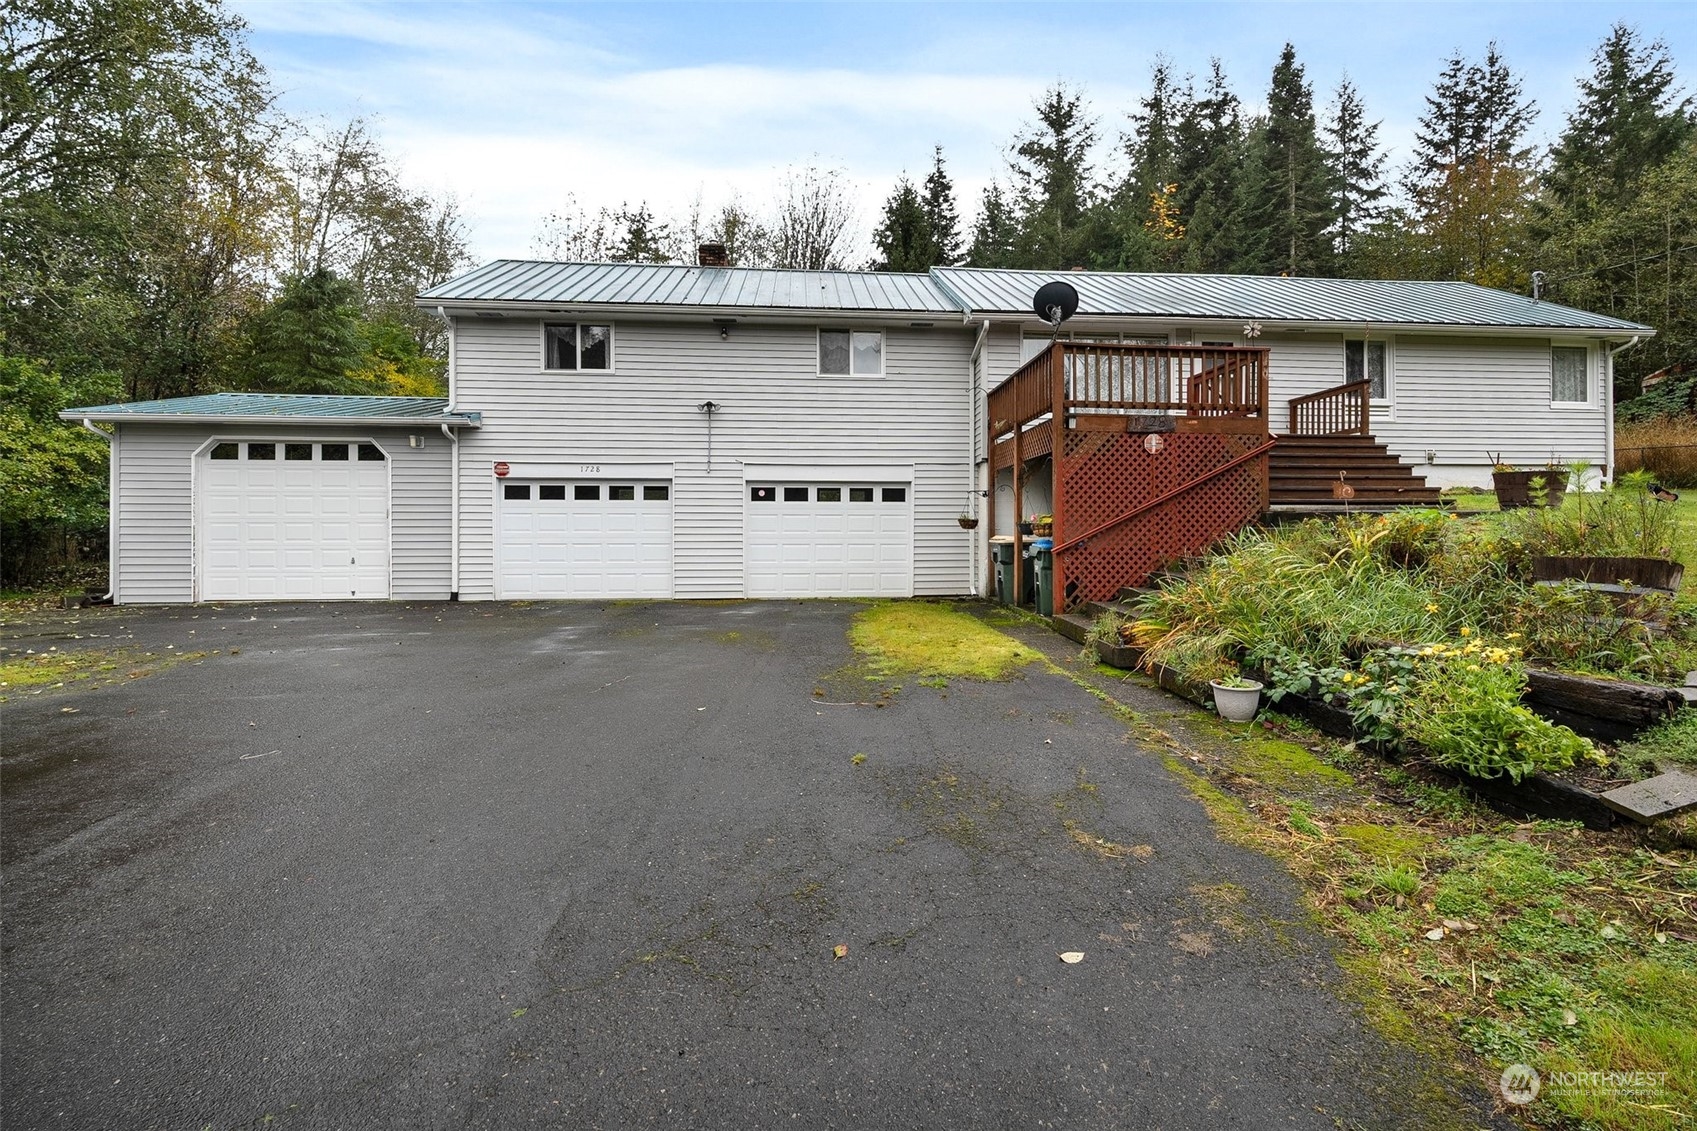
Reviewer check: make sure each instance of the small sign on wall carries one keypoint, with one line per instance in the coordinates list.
(1154, 442)
(501, 470)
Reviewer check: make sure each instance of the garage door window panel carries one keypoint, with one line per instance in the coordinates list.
(226, 451)
(262, 451)
(334, 453)
(371, 453)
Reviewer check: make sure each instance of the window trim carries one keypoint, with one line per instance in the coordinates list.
(577, 334)
(1389, 342)
(1592, 377)
(851, 375)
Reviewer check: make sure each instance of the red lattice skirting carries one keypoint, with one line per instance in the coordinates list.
(1103, 475)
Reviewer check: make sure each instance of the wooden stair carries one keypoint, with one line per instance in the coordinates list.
(1303, 469)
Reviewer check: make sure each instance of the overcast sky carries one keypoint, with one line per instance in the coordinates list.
(514, 107)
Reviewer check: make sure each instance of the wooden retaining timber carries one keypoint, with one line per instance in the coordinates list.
(1610, 709)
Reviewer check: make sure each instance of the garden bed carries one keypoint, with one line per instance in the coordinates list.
(1509, 682)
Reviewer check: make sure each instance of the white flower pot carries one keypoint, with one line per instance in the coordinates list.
(1236, 704)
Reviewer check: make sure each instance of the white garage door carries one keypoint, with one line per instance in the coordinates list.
(829, 540)
(585, 538)
(293, 521)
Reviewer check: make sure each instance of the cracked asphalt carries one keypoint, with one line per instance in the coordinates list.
(583, 865)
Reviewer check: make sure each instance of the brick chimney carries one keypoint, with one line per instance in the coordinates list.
(713, 254)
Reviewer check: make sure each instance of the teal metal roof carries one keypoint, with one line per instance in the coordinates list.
(282, 408)
(1275, 298)
(651, 284)
(957, 290)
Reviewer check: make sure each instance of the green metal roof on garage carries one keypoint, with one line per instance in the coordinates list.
(1272, 298)
(709, 288)
(252, 408)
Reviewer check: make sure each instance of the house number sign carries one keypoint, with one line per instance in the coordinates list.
(1153, 443)
(501, 470)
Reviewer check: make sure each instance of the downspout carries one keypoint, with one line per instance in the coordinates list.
(973, 394)
(111, 594)
(453, 472)
(1609, 407)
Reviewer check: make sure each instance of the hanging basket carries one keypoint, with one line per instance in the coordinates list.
(967, 522)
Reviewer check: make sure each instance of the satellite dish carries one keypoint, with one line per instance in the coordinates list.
(1055, 302)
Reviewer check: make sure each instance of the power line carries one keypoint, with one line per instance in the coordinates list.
(1624, 263)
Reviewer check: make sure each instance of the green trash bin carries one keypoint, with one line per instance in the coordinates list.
(1043, 550)
(1005, 572)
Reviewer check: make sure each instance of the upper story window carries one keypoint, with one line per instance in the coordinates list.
(1570, 375)
(858, 353)
(1367, 360)
(576, 345)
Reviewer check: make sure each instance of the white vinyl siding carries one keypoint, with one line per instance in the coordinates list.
(155, 537)
(773, 410)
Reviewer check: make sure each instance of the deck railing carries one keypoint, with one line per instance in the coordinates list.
(1338, 411)
(1071, 377)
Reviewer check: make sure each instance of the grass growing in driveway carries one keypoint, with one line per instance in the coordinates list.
(34, 674)
(934, 641)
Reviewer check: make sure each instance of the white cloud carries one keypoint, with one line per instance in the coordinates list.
(511, 108)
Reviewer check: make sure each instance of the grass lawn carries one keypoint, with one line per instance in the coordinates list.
(1482, 503)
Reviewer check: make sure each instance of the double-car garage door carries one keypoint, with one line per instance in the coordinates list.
(613, 538)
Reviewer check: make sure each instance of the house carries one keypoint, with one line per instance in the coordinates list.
(654, 431)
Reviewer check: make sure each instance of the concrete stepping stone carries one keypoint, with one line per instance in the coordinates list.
(1664, 795)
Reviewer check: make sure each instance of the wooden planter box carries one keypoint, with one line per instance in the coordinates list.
(1633, 573)
(1514, 488)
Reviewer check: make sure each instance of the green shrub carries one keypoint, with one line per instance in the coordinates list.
(1463, 707)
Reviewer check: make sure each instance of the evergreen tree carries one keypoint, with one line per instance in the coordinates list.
(1151, 148)
(1627, 122)
(1208, 166)
(1051, 171)
(1287, 191)
(308, 340)
(641, 239)
(904, 238)
(1470, 179)
(941, 214)
(996, 231)
(1358, 183)
(1147, 226)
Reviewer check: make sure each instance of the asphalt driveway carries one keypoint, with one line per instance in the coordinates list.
(585, 865)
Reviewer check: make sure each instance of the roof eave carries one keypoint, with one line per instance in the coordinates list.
(687, 312)
(457, 421)
(1274, 325)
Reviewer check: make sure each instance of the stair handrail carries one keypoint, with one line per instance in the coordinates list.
(1150, 504)
(1345, 406)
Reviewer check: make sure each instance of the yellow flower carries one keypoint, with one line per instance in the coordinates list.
(1467, 632)
(1512, 636)
(1431, 608)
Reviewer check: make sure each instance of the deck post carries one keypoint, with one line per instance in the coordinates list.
(1057, 465)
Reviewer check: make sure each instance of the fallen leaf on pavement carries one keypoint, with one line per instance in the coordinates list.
(1073, 957)
(840, 950)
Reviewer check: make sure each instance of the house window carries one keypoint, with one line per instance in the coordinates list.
(575, 345)
(858, 353)
(1368, 361)
(1570, 381)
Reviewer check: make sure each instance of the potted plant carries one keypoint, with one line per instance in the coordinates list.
(967, 522)
(1535, 487)
(1236, 698)
(1042, 525)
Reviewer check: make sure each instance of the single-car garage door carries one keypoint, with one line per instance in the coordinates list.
(825, 539)
(293, 521)
(586, 539)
